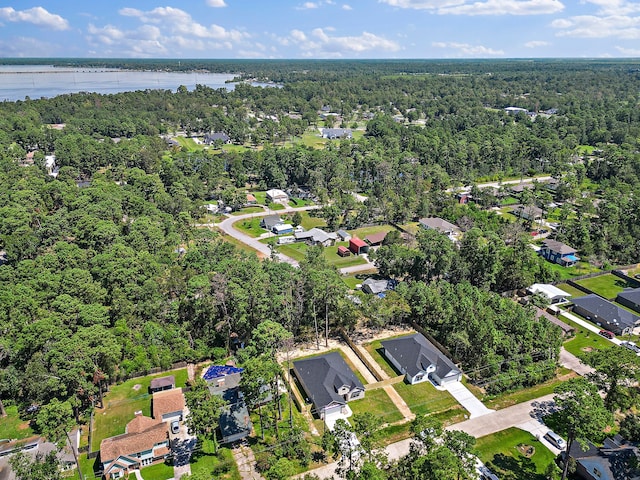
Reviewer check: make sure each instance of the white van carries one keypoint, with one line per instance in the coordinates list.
(556, 440)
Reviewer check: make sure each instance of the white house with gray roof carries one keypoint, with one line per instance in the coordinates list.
(420, 360)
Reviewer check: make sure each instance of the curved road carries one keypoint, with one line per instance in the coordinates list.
(227, 227)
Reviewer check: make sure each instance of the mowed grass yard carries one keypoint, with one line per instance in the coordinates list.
(582, 268)
(250, 226)
(377, 402)
(584, 340)
(364, 231)
(502, 456)
(608, 285)
(298, 251)
(573, 291)
(121, 403)
(14, 427)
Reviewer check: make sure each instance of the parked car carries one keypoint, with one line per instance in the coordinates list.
(631, 346)
(607, 334)
(175, 427)
(637, 275)
(556, 440)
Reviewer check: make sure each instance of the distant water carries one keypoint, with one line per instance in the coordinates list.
(35, 81)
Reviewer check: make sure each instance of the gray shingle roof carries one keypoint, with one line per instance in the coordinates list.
(603, 311)
(561, 248)
(415, 353)
(323, 375)
(632, 295)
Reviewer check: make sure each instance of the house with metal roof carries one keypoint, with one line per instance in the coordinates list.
(334, 133)
(630, 298)
(315, 236)
(605, 314)
(551, 292)
(420, 360)
(441, 225)
(328, 383)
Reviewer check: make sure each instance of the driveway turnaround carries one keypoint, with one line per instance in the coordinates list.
(465, 398)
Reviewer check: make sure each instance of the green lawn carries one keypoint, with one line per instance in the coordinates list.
(411, 227)
(584, 340)
(189, 144)
(607, 286)
(299, 202)
(221, 466)
(564, 273)
(159, 471)
(13, 426)
(351, 281)
(530, 393)
(364, 231)
(246, 210)
(500, 453)
(509, 201)
(575, 293)
(121, 403)
(298, 251)
(309, 222)
(237, 243)
(423, 398)
(250, 226)
(395, 433)
(377, 402)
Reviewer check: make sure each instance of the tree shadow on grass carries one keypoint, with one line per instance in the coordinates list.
(514, 468)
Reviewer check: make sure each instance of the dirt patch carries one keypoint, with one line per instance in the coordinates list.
(587, 349)
(137, 387)
(23, 426)
(526, 450)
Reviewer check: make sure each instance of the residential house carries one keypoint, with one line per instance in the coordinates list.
(211, 138)
(358, 246)
(463, 197)
(277, 196)
(145, 441)
(286, 240)
(168, 405)
(567, 330)
(270, 221)
(162, 383)
(343, 235)
(630, 298)
(335, 133)
(251, 199)
(282, 229)
(551, 292)
(517, 188)
(515, 110)
(605, 314)
(329, 384)
(528, 212)
(235, 423)
(378, 287)
(558, 252)
(315, 236)
(375, 239)
(420, 360)
(442, 226)
(615, 460)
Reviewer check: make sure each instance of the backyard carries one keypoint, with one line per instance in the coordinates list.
(608, 285)
(514, 454)
(298, 251)
(377, 402)
(584, 340)
(250, 226)
(14, 427)
(121, 403)
(564, 273)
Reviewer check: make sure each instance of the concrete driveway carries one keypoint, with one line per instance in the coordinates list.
(465, 398)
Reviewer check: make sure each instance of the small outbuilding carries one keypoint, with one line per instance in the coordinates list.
(344, 251)
(553, 293)
(358, 246)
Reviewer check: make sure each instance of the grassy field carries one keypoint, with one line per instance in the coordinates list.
(575, 293)
(423, 399)
(238, 244)
(364, 231)
(13, 426)
(377, 402)
(526, 394)
(250, 226)
(121, 403)
(584, 340)
(298, 251)
(189, 144)
(608, 285)
(222, 465)
(564, 273)
(501, 454)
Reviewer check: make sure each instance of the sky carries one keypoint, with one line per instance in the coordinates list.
(323, 29)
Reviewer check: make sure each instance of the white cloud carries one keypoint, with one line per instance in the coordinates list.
(467, 50)
(537, 43)
(321, 43)
(629, 52)
(36, 15)
(26, 47)
(592, 26)
(216, 3)
(180, 22)
(347, 7)
(308, 6)
(487, 7)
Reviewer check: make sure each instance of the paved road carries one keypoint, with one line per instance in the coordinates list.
(227, 227)
(498, 184)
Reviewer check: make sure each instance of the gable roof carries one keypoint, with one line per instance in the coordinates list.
(375, 287)
(163, 382)
(548, 290)
(212, 137)
(415, 353)
(631, 295)
(167, 401)
(559, 247)
(271, 221)
(357, 242)
(336, 132)
(605, 312)
(142, 434)
(376, 237)
(612, 461)
(315, 234)
(438, 224)
(219, 371)
(323, 375)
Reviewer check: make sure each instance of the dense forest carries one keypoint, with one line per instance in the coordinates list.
(106, 273)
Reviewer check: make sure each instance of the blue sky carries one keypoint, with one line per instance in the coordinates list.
(320, 28)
